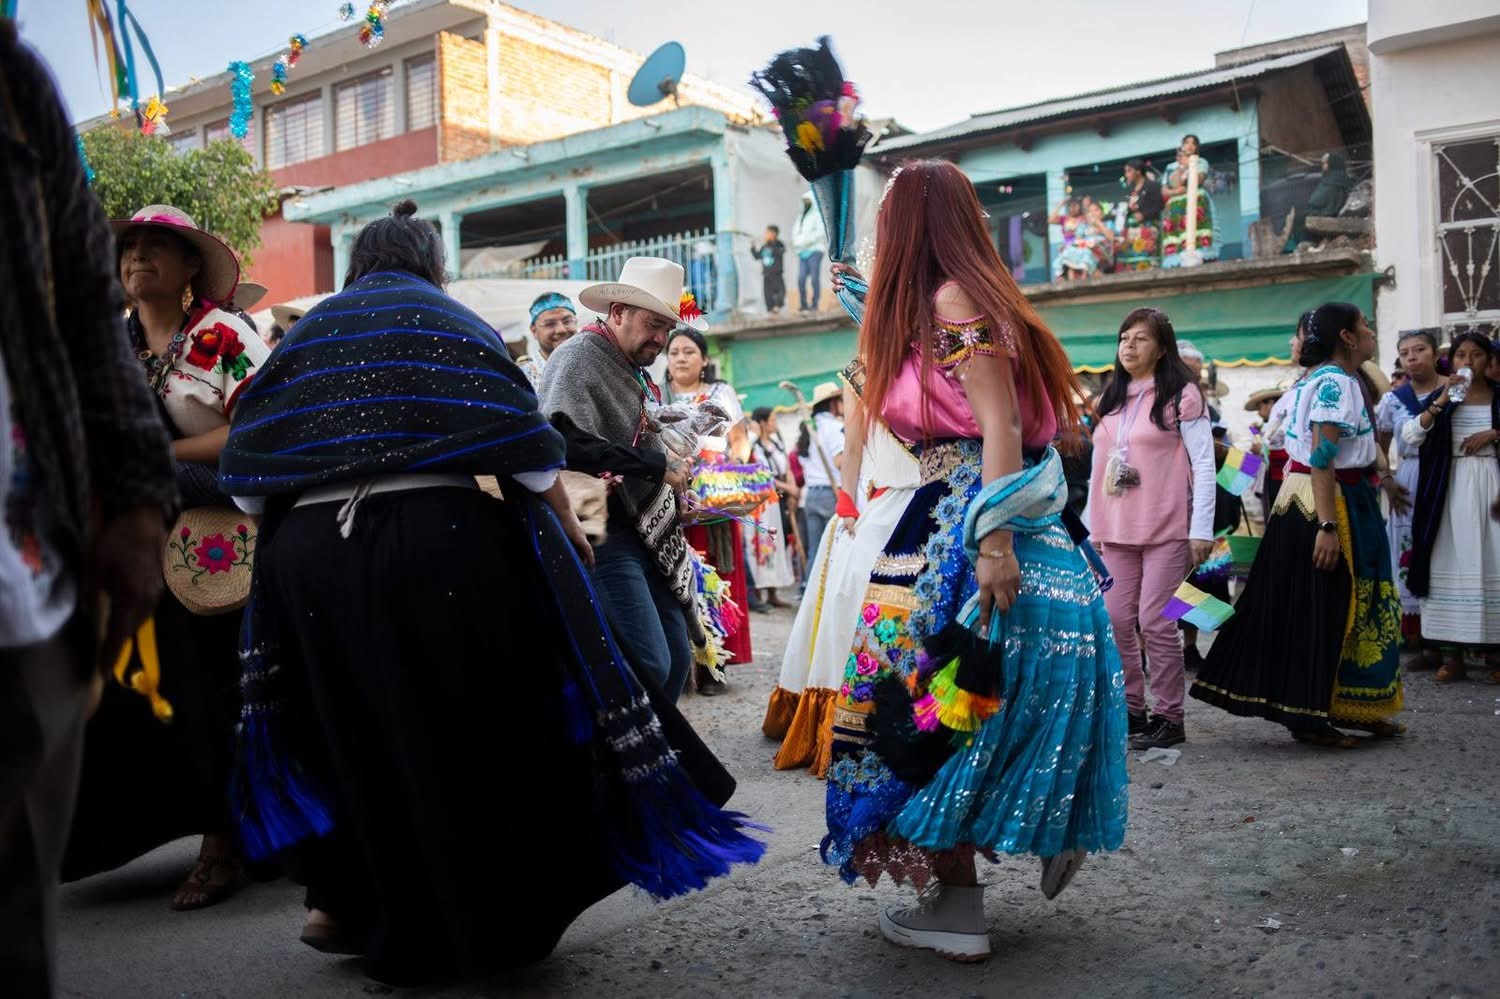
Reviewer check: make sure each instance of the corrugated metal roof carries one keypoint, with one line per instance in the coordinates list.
(1062, 107)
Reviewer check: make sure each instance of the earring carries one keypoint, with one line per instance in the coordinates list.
(187, 299)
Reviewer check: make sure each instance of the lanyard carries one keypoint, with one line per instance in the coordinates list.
(1127, 424)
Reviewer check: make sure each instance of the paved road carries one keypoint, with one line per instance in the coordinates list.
(1253, 866)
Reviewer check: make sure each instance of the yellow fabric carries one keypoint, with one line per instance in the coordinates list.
(147, 680)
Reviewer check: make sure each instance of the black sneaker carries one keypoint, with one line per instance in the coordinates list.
(1139, 723)
(1161, 734)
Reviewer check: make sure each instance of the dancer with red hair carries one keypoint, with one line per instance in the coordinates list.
(982, 710)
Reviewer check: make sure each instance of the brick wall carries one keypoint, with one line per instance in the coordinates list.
(463, 82)
(547, 94)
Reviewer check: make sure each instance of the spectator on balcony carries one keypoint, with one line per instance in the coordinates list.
(553, 320)
(1091, 249)
(809, 239)
(1327, 199)
(771, 253)
(1175, 211)
(1139, 225)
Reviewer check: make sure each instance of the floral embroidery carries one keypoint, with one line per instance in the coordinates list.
(219, 345)
(954, 343)
(871, 613)
(1330, 394)
(213, 553)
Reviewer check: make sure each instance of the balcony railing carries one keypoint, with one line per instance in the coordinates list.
(696, 250)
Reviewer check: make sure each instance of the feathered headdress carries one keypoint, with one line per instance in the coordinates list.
(817, 109)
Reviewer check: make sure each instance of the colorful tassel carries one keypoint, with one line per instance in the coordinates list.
(959, 709)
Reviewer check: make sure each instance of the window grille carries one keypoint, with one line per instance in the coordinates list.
(363, 110)
(294, 131)
(1468, 233)
(421, 93)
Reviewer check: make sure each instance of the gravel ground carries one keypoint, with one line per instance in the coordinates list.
(1253, 866)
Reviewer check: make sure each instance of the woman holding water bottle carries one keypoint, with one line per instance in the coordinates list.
(1455, 563)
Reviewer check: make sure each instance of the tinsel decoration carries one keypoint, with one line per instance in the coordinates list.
(278, 76)
(154, 117)
(239, 89)
(83, 156)
(346, 12)
(295, 44)
(372, 32)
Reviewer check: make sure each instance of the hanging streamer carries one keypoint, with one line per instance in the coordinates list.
(278, 77)
(239, 89)
(83, 156)
(346, 12)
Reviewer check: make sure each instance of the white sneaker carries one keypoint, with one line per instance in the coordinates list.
(947, 918)
(1058, 871)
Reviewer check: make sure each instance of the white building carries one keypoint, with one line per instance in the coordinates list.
(1435, 80)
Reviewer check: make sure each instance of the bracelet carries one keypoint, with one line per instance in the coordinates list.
(1007, 553)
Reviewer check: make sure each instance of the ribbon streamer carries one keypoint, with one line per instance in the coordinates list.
(147, 680)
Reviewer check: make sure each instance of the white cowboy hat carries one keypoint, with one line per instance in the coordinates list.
(285, 315)
(220, 272)
(650, 283)
(246, 295)
(826, 391)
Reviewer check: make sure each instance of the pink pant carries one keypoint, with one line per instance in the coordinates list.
(1146, 576)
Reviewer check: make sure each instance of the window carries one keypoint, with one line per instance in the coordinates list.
(421, 93)
(1468, 233)
(363, 110)
(220, 130)
(294, 131)
(181, 142)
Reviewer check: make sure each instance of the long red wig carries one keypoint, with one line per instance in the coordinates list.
(931, 230)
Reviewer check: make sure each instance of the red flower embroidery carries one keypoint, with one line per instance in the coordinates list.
(205, 348)
(215, 554)
(232, 346)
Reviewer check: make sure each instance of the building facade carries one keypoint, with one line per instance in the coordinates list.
(1435, 77)
(454, 79)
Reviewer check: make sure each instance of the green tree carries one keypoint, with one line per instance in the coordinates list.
(218, 185)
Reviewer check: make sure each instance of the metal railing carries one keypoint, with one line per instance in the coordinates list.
(696, 250)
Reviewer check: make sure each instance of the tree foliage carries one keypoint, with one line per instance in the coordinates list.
(219, 185)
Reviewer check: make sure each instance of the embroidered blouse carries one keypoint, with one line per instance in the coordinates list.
(948, 414)
(218, 358)
(1330, 395)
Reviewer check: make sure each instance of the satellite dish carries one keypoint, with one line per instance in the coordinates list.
(657, 78)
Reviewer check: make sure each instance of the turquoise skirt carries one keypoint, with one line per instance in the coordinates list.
(1044, 775)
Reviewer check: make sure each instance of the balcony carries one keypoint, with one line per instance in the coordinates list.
(697, 251)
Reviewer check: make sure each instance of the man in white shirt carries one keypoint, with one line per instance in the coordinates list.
(809, 241)
(820, 462)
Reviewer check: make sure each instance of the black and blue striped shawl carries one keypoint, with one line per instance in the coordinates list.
(389, 375)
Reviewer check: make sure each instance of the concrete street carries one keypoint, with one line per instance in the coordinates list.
(1254, 866)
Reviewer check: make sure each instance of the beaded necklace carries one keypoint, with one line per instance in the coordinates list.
(159, 368)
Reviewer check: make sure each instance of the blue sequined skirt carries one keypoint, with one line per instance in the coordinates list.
(1044, 775)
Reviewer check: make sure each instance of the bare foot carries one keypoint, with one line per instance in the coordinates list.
(215, 875)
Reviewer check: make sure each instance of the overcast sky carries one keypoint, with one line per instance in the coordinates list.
(925, 63)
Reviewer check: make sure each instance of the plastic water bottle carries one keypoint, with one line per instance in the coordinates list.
(1457, 392)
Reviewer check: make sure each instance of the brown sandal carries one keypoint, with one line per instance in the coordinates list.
(201, 888)
(1328, 737)
(1452, 672)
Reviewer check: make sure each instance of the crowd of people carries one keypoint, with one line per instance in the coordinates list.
(462, 563)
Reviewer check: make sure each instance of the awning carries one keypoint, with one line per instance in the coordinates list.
(1236, 327)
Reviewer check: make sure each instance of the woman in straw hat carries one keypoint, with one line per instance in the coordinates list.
(984, 710)
(145, 783)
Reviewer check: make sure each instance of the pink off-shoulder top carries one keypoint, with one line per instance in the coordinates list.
(949, 415)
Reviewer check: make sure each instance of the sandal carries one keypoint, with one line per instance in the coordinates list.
(1328, 737)
(1452, 672)
(215, 876)
(1381, 729)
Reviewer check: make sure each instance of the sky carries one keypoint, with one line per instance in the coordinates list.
(925, 63)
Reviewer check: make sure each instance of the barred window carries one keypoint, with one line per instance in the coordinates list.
(363, 110)
(421, 92)
(220, 130)
(294, 131)
(181, 142)
(1468, 233)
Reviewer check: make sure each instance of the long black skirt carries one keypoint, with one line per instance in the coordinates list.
(465, 837)
(145, 783)
(1277, 658)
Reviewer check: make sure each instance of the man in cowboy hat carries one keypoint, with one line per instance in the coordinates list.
(822, 452)
(553, 320)
(87, 482)
(596, 390)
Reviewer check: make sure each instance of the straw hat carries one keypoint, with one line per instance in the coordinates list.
(1377, 377)
(285, 315)
(826, 391)
(246, 295)
(1264, 395)
(220, 272)
(650, 283)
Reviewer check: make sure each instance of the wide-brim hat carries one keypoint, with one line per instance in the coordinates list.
(1263, 395)
(1377, 377)
(220, 272)
(651, 283)
(246, 294)
(825, 391)
(285, 315)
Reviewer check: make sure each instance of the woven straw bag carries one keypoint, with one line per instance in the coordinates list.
(208, 558)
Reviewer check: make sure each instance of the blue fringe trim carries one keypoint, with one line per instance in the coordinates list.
(682, 840)
(280, 804)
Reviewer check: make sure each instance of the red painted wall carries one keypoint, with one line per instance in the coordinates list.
(296, 258)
